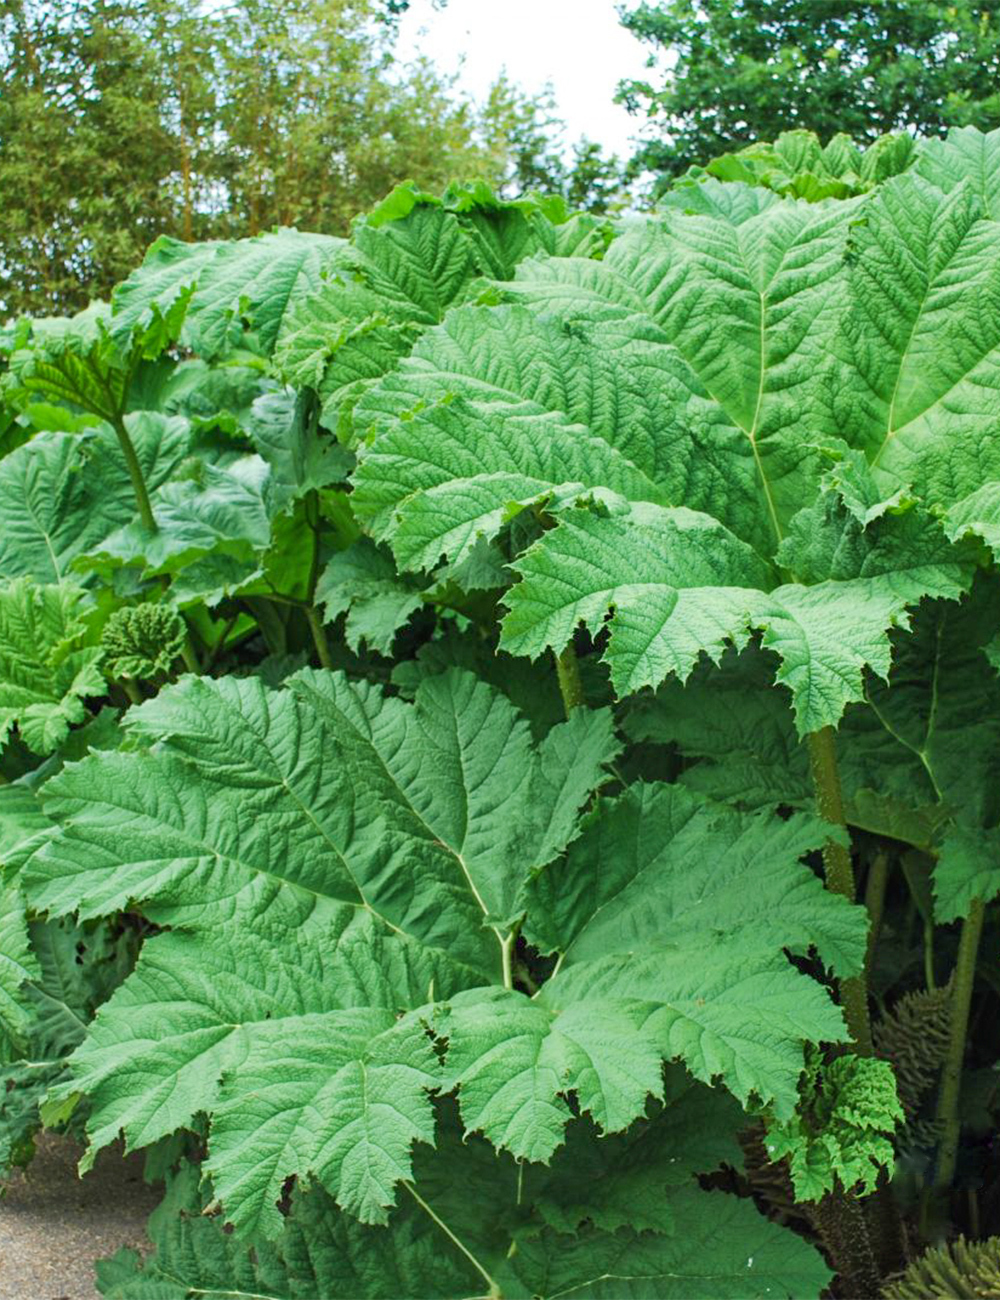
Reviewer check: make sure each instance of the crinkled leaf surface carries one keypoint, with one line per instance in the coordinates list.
(398, 841)
(942, 704)
(739, 739)
(322, 1252)
(409, 261)
(285, 802)
(220, 289)
(604, 399)
(17, 964)
(62, 494)
(72, 360)
(222, 512)
(363, 583)
(964, 155)
(302, 1065)
(283, 429)
(45, 671)
(914, 381)
(452, 1239)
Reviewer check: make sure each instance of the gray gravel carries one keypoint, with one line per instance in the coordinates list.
(53, 1224)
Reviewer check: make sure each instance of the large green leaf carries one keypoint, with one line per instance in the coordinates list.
(605, 402)
(674, 585)
(738, 739)
(942, 705)
(218, 296)
(71, 360)
(409, 261)
(17, 965)
(343, 856)
(362, 582)
(322, 1252)
(311, 799)
(476, 1228)
(641, 872)
(62, 494)
(964, 155)
(46, 670)
(222, 514)
(914, 379)
(303, 1066)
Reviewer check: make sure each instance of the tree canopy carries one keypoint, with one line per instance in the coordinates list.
(733, 74)
(122, 120)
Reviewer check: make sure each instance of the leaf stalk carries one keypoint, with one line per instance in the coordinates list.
(135, 473)
(839, 872)
(570, 684)
(319, 636)
(493, 1285)
(951, 1077)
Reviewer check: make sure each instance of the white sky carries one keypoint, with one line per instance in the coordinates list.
(578, 45)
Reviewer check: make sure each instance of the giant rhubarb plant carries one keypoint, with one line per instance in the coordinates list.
(648, 570)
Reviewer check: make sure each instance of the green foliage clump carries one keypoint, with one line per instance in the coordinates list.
(143, 641)
(841, 1133)
(47, 671)
(799, 166)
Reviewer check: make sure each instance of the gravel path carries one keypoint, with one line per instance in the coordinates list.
(53, 1225)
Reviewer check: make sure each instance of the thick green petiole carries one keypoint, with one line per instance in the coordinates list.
(951, 1078)
(570, 685)
(135, 474)
(839, 872)
(319, 636)
(875, 887)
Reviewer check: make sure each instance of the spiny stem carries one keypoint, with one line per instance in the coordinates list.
(319, 636)
(840, 1222)
(839, 873)
(135, 474)
(951, 1078)
(570, 685)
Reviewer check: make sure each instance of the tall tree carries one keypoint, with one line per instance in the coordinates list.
(121, 120)
(84, 150)
(732, 73)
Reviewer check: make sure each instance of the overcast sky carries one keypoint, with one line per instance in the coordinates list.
(578, 45)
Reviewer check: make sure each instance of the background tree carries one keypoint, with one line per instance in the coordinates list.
(84, 149)
(121, 120)
(745, 71)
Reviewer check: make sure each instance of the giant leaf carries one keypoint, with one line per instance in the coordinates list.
(62, 494)
(914, 381)
(312, 799)
(219, 295)
(475, 1228)
(409, 261)
(46, 670)
(617, 389)
(17, 965)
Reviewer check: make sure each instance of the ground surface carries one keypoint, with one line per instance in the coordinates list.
(53, 1225)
